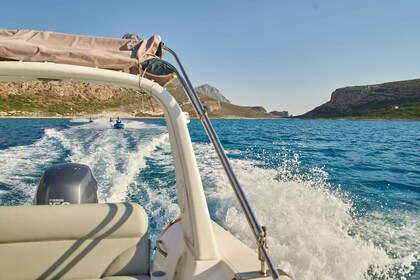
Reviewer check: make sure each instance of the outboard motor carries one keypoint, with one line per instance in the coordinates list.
(67, 183)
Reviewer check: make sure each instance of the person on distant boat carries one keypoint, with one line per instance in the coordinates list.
(90, 120)
(111, 120)
(118, 120)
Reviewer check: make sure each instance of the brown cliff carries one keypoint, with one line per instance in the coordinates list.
(395, 100)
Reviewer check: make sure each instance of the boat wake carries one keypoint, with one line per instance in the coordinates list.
(115, 157)
(22, 167)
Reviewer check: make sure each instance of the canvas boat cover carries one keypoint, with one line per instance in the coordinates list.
(107, 53)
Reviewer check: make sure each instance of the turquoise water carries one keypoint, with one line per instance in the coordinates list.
(340, 199)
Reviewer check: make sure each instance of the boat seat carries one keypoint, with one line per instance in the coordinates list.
(79, 241)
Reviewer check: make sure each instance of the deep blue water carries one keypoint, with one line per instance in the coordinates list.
(341, 199)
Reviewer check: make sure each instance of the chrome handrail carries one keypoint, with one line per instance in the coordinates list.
(259, 232)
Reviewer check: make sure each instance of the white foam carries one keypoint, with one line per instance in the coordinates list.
(114, 161)
(160, 204)
(308, 223)
(103, 123)
(135, 124)
(156, 194)
(79, 120)
(99, 123)
(135, 162)
(397, 233)
(22, 166)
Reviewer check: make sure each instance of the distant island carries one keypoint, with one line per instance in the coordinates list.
(395, 100)
(70, 99)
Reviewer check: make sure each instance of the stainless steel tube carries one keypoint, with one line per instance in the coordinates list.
(201, 113)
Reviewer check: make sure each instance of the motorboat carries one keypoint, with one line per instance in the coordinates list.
(118, 125)
(67, 234)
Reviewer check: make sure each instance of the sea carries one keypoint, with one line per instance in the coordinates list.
(340, 198)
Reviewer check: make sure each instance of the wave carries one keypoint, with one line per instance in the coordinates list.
(22, 167)
(79, 120)
(114, 159)
(311, 227)
(104, 123)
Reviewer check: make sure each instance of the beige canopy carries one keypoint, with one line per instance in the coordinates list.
(107, 53)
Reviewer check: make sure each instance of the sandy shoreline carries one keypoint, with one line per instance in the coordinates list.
(122, 115)
(105, 114)
(74, 117)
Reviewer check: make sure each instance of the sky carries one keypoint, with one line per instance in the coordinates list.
(280, 54)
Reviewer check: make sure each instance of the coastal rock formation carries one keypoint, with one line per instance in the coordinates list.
(212, 105)
(280, 114)
(212, 92)
(259, 109)
(371, 100)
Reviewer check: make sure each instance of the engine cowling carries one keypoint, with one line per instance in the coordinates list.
(67, 183)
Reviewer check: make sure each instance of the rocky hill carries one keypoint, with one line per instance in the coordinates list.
(61, 99)
(395, 100)
(215, 108)
(280, 114)
(259, 109)
(212, 92)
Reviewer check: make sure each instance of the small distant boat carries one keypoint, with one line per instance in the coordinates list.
(90, 120)
(118, 125)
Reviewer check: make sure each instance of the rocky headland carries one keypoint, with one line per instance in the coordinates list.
(395, 100)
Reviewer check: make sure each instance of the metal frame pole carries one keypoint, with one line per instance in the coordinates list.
(258, 231)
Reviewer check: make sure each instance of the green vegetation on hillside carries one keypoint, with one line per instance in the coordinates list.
(385, 110)
(409, 111)
(49, 104)
(406, 83)
(43, 98)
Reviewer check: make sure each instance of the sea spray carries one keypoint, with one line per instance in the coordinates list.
(309, 223)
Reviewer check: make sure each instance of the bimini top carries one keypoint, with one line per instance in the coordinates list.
(130, 54)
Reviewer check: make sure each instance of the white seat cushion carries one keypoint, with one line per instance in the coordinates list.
(73, 241)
